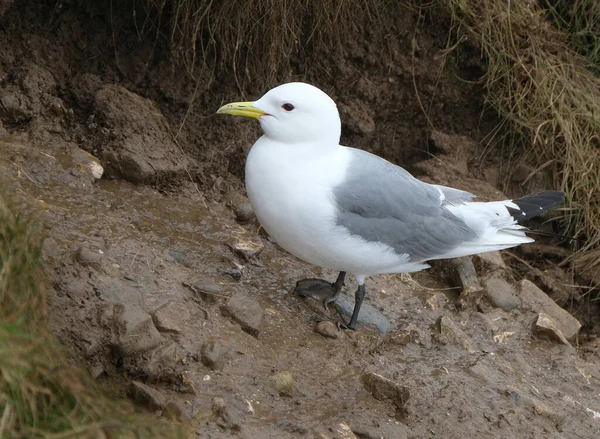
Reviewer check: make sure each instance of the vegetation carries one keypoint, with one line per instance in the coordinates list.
(547, 95)
(43, 392)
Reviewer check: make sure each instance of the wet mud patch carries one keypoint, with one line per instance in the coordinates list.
(149, 287)
(169, 289)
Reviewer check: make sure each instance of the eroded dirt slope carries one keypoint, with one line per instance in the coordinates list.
(162, 280)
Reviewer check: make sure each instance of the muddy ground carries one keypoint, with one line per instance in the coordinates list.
(163, 284)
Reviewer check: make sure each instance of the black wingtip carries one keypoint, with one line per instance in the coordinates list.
(534, 205)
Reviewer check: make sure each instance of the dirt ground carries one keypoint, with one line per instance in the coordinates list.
(161, 280)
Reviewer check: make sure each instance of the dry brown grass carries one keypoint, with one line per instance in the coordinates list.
(548, 98)
(255, 39)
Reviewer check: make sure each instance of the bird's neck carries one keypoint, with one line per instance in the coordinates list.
(302, 151)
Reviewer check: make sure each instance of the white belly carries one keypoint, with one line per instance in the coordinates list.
(290, 189)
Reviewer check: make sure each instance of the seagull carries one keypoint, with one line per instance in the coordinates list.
(351, 211)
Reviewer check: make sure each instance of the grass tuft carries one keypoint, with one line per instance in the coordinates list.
(548, 98)
(254, 39)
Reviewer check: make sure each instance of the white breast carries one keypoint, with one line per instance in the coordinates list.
(290, 188)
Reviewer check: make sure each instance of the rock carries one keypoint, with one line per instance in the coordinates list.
(536, 300)
(241, 207)
(461, 272)
(545, 327)
(248, 250)
(170, 317)
(395, 430)
(177, 411)
(293, 427)
(501, 293)
(235, 273)
(163, 363)
(138, 147)
(83, 88)
(230, 414)
(368, 315)
(143, 394)
(343, 431)
(327, 329)
(436, 301)
(137, 332)
(449, 330)
(384, 389)
(283, 382)
(246, 311)
(244, 212)
(209, 291)
(85, 162)
(213, 354)
(3, 131)
(88, 257)
(97, 371)
(408, 334)
(489, 260)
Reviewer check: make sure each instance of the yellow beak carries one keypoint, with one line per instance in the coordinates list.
(241, 109)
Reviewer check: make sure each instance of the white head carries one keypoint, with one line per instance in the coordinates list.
(293, 113)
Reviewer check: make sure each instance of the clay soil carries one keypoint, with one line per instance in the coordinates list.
(143, 263)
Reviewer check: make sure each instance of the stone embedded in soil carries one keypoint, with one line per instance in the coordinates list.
(384, 389)
(448, 330)
(283, 383)
(144, 394)
(171, 316)
(86, 256)
(177, 411)
(244, 212)
(293, 427)
(249, 249)
(84, 162)
(501, 293)
(461, 272)
(241, 207)
(545, 327)
(536, 300)
(97, 371)
(468, 280)
(436, 301)
(164, 363)
(368, 316)
(230, 413)
(209, 291)
(489, 260)
(327, 329)
(139, 146)
(340, 431)
(408, 334)
(213, 354)
(137, 332)
(246, 311)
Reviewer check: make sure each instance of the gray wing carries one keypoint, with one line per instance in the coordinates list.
(381, 202)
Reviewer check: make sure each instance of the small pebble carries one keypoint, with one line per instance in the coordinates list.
(327, 329)
(284, 383)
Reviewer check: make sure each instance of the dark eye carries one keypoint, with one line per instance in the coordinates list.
(287, 107)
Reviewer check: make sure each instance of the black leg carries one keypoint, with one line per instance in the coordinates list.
(337, 285)
(358, 300)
